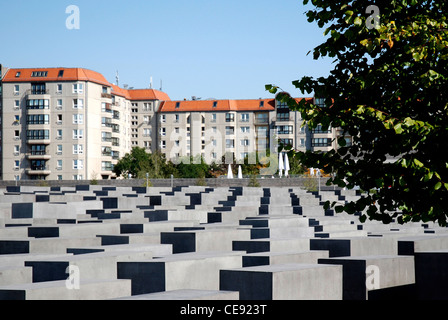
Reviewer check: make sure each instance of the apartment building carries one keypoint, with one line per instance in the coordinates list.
(72, 124)
(235, 129)
(68, 123)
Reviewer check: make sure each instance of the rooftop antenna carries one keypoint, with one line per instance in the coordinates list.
(118, 79)
(150, 83)
(161, 85)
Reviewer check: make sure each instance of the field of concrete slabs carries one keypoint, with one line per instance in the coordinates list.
(209, 243)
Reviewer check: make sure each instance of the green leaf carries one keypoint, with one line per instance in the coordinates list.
(438, 186)
(358, 21)
(418, 163)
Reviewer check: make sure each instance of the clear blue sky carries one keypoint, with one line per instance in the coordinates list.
(223, 49)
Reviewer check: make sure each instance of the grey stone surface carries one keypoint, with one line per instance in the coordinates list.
(214, 242)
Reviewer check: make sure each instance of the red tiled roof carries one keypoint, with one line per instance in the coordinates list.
(81, 74)
(148, 94)
(53, 74)
(218, 105)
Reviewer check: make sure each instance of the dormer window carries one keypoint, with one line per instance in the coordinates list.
(39, 74)
(61, 73)
(18, 74)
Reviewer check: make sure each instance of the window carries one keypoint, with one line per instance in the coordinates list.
(59, 104)
(16, 165)
(163, 144)
(245, 142)
(176, 118)
(286, 142)
(59, 134)
(38, 119)
(59, 117)
(147, 132)
(78, 134)
(59, 88)
(17, 104)
(215, 104)
(16, 150)
(37, 104)
(78, 149)
(213, 117)
(230, 143)
(16, 90)
(163, 118)
(105, 136)
(18, 74)
(319, 129)
(78, 119)
(106, 166)
(78, 103)
(245, 129)
(38, 134)
(59, 165)
(78, 177)
(78, 88)
(230, 117)
(61, 73)
(147, 106)
(163, 132)
(302, 142)
(60, 177)
(285, 130)
(36, 74)
(244, 117)
(261, 104)
(230, 131)
(322, 142)
(177, 105)
(16, 119)
(38, 88)
(78, 164)
(59, 149)
(38, 150)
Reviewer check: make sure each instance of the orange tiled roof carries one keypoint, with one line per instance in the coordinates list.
(148, 94)
(218, 105)
(53, 74)
(81, 74)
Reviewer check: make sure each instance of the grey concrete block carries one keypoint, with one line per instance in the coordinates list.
(431, 275)
(187, 295)
(270, 258)
(57, 290)
(179, 271)
(273, 245)
(204, 240)
(369, 273)
(284, 282)
(356, 246)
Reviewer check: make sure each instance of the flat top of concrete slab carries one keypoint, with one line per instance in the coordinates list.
(52, 284)
(198, 255)
(89, 256)
(185, 294)
(283, 253)
(372, 257)
(282, 267)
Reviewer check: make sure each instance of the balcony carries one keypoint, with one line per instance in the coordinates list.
(38, 171)
(38, 155)
(261, 121)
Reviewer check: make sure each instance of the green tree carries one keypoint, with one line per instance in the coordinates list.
(193, 167)
(138, 162)
(387, 91)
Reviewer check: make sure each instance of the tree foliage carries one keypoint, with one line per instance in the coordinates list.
(138, 163)
(387, 90)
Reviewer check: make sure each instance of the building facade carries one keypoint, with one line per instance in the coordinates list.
(72, 124)
(67, 123)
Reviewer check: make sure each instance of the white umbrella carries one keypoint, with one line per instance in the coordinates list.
(281, 165)
(287, 168)
(240, 173)
(230, 173)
